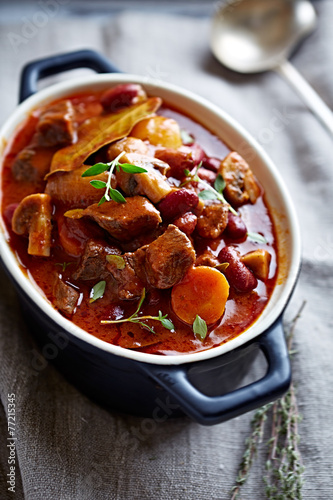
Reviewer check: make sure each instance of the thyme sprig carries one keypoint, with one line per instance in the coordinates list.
(216, 192)
(63, 265)
(210, 192)
(252, 444)
(191, 176)
(110, 192)
(135, 318)
(284, 466)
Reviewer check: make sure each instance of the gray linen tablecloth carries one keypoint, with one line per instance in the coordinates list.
(70, 448)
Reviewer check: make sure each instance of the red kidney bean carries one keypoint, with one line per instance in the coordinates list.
(236, 228)
(239, 276)
(186, 222)
(207, 175)
(121, 96)
(9, 212)
(177, 203)
(211, 163)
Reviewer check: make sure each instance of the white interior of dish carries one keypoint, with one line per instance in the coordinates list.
(235, 137)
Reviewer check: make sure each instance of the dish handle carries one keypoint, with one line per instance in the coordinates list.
(53, 65)
(208, 410)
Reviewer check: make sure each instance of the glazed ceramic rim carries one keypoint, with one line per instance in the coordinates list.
(188, 101)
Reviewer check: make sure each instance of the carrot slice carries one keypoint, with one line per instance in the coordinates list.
(203, 291)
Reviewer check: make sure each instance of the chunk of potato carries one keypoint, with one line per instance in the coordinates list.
(159, 131)
(258, 261)
(128, 145)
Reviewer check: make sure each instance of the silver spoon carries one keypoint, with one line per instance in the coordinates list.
(251, 36)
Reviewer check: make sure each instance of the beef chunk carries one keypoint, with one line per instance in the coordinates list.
(55, 125)
(129, 285)
(241, 185)
(92, 265)
(66, 297)
(213, 220)
(161, 264)
(168, 258)
(32, 164)
(137, 261)
(125, 221)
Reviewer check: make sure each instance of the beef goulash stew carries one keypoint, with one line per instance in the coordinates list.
(137, 223)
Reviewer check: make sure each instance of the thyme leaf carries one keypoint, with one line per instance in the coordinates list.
(257, 237)
(117, 260)
(116, 195)
(206, 194)
(219, 184)
(132, 169)
(186, 137)
(222, 267)
(97, 291)
(98, 184)
(96, 169)
(200, 327)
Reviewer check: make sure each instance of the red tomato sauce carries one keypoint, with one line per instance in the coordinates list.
(242, 309)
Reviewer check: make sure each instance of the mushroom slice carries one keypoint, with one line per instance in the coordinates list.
(33, 218)
(241, 185)
(152, 183)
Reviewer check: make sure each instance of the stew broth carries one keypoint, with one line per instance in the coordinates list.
(242, 307)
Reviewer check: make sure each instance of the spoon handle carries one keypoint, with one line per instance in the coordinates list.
(307, 93)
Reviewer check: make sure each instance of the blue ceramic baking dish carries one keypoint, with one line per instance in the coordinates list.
(206, 385)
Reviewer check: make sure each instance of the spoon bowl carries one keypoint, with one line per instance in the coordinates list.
(251, 36)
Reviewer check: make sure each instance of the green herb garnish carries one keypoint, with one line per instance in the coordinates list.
(216, 192)
(135, 318)
(222, 267)
(98, 291)
(200, 327)
(186, 137)
(258, 238)
(96, 169)
(207, 195)
(219, 184)
(210, 193)
(99, 168)
(279, 421)
(191, 177)
(63, 265)
(117, 260)
(131, 169)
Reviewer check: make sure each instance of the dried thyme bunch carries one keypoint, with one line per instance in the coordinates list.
(284, 467)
